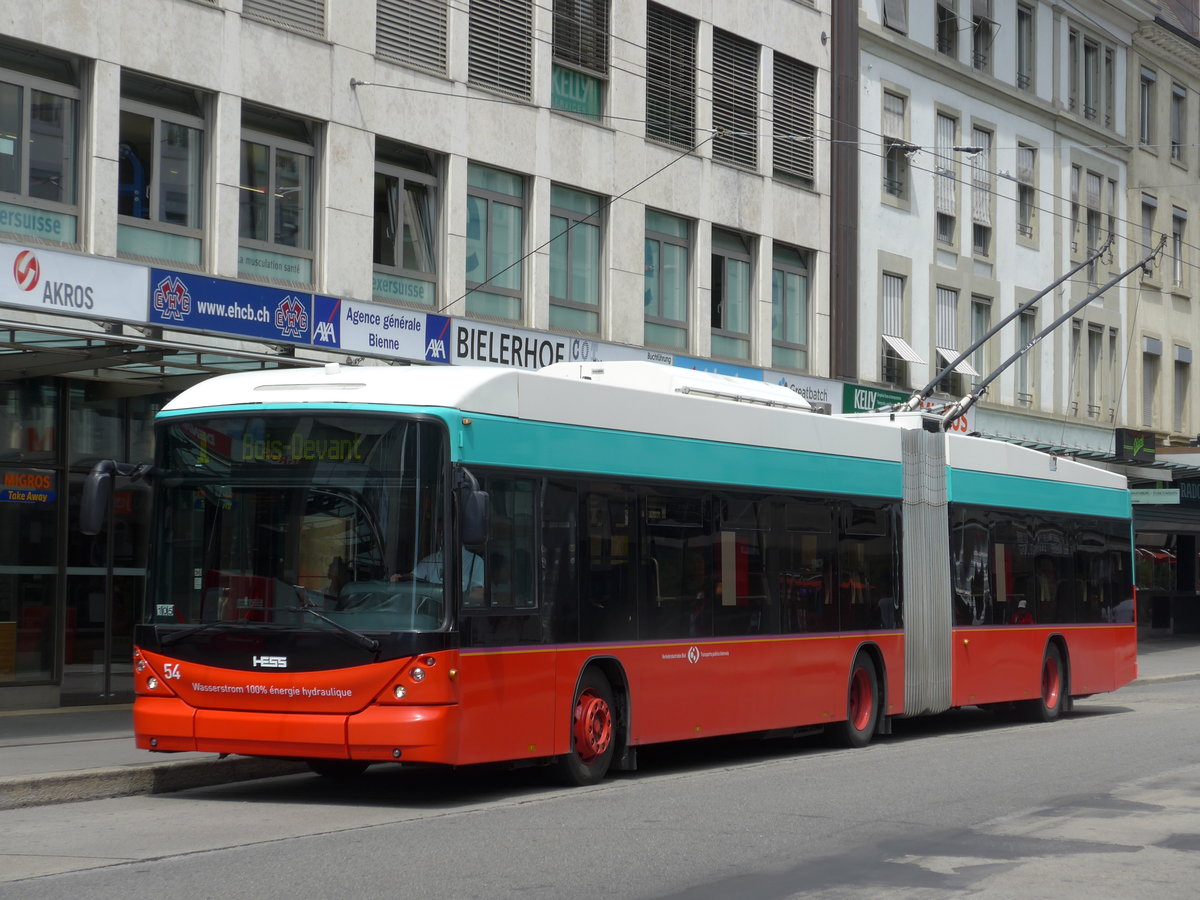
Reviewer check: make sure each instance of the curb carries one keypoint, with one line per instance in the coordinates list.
(1159, 679)
(125, 781)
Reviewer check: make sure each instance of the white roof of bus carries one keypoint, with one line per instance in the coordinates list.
(646, 397)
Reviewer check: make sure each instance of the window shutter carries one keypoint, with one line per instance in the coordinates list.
(944, 166)
(893, 305)
(581, 34)
(670, 77)
(981, 181)
(307, 16)
(1093, 191)
(412, 32)
(947, 318)
(795, 91)
(1025, 165)
(500, 51)
(735, 99)
(893, 115)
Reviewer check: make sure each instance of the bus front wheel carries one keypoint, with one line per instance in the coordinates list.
(862, 704)
(593, 732)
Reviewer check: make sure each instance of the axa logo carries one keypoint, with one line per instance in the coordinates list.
(437, 344)
(27, 270)
(323, 334)
(291, 317)
(172, 299)
(270, 662)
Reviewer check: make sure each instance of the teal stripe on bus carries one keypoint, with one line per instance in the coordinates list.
(568, 448)
(992, 489)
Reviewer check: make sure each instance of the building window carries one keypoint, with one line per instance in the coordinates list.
(39, 145)
(981, 323)
(500, 46)
(1091, 78)
(1112, 208)
(730, 294)
(735, 99)
(1073, 41)
(160, 171)
(1095, 342)
(305, 16)
(580, 67)
(406, 225)
(495, 242)
(1178, 247)
(1026, 192)
(276, 197)
(1116, 375)
(1110, 85)
(1151, 369)
(1025, 46)
(1026, 329)
(897, 352)
(981, 192)
(1183, 377)
(947, 30)
(1146, 106)
(1178, 120)
(789, 307)
(668, 249)
(1094, 220)
(795, 89)
(412, 32)
(1149, 210)
(574, 260)
(895, 147)
(947, 343)
(1076, 176)
(982, 34)
(670, 77)
(946, 193)
(895, 15)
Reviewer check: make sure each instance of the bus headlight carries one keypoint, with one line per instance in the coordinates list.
(152, 683)
(399, 692)
(417, 674)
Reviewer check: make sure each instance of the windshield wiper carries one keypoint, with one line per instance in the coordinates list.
(357, 637)
(168, 639)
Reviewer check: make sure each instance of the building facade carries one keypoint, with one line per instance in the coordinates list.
(268, 183)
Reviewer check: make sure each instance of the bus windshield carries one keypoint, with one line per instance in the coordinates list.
(299, 521)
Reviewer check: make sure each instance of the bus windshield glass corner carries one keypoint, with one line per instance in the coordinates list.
(265, 520)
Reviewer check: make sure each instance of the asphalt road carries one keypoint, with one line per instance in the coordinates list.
(1103, 804)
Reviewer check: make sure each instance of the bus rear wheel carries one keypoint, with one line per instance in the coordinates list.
(862, 704)
(1053, 691)
(593, 732)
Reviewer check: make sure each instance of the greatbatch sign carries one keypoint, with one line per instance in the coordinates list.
(71, 284)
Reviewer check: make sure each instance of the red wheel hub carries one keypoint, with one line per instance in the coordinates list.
(593, 726)
(1051, 682)
(862, 702)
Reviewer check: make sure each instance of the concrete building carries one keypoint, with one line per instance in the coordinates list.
(196, 186)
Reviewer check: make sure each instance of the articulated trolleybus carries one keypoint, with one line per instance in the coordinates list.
(457, 566)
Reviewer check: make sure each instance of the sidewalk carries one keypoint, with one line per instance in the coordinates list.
(87, 753)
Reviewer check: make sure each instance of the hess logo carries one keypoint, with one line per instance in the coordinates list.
(270, 662)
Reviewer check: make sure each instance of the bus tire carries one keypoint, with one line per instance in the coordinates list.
(1053, 687)
(338, 769)
(593, 732)
(862, 704)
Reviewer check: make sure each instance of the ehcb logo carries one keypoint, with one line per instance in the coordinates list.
(172, 300)
(437, 342)
(26, 270)
(291, 317)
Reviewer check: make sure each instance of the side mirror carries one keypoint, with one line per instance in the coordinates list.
(474, 517)
(97, 495)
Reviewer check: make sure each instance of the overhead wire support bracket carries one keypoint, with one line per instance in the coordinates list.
(960, 407)
(919, 397)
